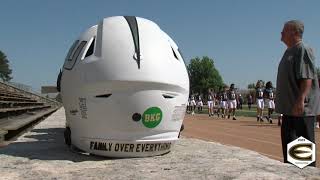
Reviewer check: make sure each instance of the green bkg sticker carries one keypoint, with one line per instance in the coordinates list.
(152, 117)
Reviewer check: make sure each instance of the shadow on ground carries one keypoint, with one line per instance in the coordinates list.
(46, 144)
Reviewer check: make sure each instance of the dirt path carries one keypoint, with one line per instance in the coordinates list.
(245, 132)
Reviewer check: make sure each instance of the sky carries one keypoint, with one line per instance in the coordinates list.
(242, 37)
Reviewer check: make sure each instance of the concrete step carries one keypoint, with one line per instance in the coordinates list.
(9, 98)
(4, 110)
(19, 122)
(8, 104)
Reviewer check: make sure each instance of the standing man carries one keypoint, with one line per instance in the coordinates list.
(297, 92)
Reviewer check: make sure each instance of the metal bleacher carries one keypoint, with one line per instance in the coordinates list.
(20, 108)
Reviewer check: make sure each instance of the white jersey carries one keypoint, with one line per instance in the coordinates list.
(192, 102)
(200, 103)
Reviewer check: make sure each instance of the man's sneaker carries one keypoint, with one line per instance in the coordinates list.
(234, 118)
(192, 113)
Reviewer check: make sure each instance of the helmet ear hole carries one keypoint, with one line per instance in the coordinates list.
(136, 117)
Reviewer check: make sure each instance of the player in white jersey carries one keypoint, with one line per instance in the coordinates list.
(224, 102)
(199, 104)
(193, 104)
(188, 105)
(268, 98)
(260, 102)
(219, 101)
(232, 102)
(215, 104)
(210, 103)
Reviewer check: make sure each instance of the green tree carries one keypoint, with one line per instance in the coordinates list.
(5, 71)
(203, 75)
(251, 86)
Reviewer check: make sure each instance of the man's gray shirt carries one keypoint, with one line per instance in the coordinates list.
(297, 63)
